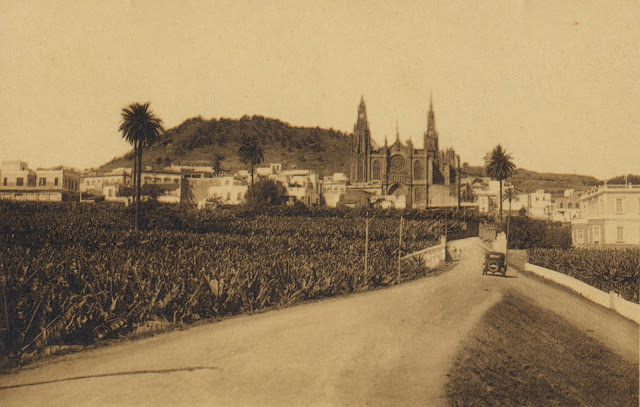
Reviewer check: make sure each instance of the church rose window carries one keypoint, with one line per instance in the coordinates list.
(397, 163)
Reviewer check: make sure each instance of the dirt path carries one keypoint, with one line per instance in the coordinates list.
(388, 347)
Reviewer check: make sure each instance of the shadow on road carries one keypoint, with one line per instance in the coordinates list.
(135, 372)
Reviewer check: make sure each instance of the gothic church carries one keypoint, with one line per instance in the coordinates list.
(417, 178)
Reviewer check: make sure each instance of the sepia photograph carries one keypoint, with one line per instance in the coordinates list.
(324, 203)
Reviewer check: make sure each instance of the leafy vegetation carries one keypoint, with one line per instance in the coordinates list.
(606, 269)
(527, 233)
(77, 274)
(266, 192)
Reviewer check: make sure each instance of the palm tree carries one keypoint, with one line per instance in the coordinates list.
(217, 168)
(510, 194)
(499, 165)
(141, 128)
(251, 153)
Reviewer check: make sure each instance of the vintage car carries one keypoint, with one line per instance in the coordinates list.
(494, 263)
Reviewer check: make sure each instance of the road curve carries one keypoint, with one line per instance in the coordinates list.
(388, 347)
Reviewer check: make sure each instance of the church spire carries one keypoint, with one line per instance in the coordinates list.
(431, 135)
(397, 131)
(431, 118)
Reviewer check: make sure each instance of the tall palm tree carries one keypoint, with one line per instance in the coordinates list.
(510, 194)
(251, 153)
(141, 128)
(499, 165)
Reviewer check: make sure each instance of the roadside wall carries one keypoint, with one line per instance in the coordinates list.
(610, 300)
(432, 257)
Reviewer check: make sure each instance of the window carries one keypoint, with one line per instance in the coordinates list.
(618, 205)
(570, 205)
(577, 205)
(417, 170)
(596, 234)
(561, 205)
(239, 196)
(579, 236)
(620, 237)
(55, 181)
(19, 181)
(4, 182)
(376, 170)
(228, 196)
(42, 182)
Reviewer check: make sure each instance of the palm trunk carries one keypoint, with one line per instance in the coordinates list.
(500, 204)
(252, 175)
(508, 222)
(138, 184)
(135, 166)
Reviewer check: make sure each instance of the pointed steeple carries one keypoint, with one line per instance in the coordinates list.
(431, 118)
(397, 132)
(362, 144)
(431, 135)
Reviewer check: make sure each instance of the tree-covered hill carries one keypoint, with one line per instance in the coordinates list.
(530, 181)
(198, 142)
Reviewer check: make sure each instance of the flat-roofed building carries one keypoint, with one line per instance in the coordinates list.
(20, 183)
(609, 216)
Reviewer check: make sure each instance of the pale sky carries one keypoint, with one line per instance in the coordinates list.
(558, 85)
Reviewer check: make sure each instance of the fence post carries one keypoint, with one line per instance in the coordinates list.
(366, 247)
(400, 249)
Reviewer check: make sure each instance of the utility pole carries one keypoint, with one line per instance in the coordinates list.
(400, 248)
(366, 247)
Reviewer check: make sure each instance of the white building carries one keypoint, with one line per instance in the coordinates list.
(226, 190)
(109, 184)
(301, 185)
(334, 188)
(539, 204)
(21, 183)
(567, 207)
(610, 215)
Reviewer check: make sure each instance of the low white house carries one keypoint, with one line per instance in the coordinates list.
(334, 188)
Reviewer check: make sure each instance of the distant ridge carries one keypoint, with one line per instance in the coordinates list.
(198, 141)
(530, 181)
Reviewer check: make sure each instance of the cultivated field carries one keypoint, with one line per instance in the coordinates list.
(606, 269)
(77, 274)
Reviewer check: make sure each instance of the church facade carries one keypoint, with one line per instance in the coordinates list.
(415, 178)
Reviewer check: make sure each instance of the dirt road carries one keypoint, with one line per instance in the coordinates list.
(388, 347)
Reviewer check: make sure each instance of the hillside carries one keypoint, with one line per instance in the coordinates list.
(529, 181)
(198, 141)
